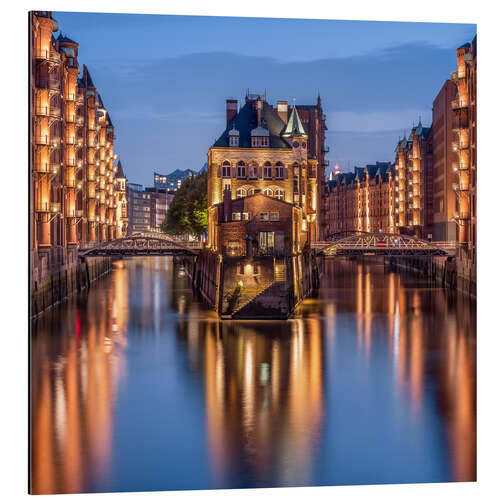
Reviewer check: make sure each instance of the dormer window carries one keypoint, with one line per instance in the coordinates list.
(234, 138)
(260, 137)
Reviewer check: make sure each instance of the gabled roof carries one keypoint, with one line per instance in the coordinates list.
(259, 194)
(246, 120)
(64, 38)
(294, 125)
(87, 79)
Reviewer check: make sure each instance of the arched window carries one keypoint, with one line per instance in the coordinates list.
(280, 194)
(226, 169)
(242, 170)
(268, 192)
(279, 170)
(268, 170)
(241, 193)
(250, 191)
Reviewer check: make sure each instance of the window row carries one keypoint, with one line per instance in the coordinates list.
(277, 193)
(253, 171)
(264, 216)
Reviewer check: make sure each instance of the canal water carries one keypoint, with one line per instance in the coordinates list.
(136, 385)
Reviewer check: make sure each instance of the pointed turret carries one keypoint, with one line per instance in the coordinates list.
(120, 174)
(294, 126)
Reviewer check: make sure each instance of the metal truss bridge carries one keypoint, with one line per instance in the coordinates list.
(145, 244)
(383, 244)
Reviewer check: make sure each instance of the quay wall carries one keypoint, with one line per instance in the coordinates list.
(58, 276)
(457, 273)
(251, 287)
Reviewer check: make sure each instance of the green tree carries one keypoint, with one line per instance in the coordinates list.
(188, 214)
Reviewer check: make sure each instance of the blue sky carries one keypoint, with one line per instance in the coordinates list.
(164, 79)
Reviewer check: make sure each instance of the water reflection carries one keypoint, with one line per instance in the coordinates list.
(264, 397)
(137, 386)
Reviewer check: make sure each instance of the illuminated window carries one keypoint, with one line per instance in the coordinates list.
(279, 170)
(241, 193)
(245, 216)
(268, 171)
(242, 170)
(226, 169)
(268, 192)
(280, 194)
(236, 216)
(264, 216)
(274, 216)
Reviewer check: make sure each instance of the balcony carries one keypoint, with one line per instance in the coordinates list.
(460, 187)
(42, 140)
(456, 76)
(71, 118)
(91, 194)
(41, 168)
(70, 182)
(47, 55)
(55, 112)
(70, 140)
(55, 207)
(79, 213)
(459, 103)
(459, 122)
(42, 111)
(70, 96)
(460, 166)
(461, 215)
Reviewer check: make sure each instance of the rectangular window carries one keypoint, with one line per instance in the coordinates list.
(226, 171)
(236, 215)
(264, 216)
(245, 216)
(274, 216)
(279, 172)
(268, 172)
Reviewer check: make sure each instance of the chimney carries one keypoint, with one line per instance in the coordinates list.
(283, 110)
(259, 112)
(226, 200)
(231, 109)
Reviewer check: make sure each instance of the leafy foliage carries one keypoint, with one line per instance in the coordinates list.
(188, 214)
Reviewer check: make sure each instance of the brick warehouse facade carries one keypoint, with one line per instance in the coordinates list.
(413, 195)
(267, 151)
(75, 195)
(363, 200)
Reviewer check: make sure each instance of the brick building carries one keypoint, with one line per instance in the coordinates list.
(444, 158)
(464, 130)
(73, 191)
(414, 167)
(363, 200)
(271, 152)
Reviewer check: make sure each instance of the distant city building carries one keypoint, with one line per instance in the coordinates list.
(173, 180)
(121, 210)
(139, 209)
(158, 207)
(362, 200)
(265, 178)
